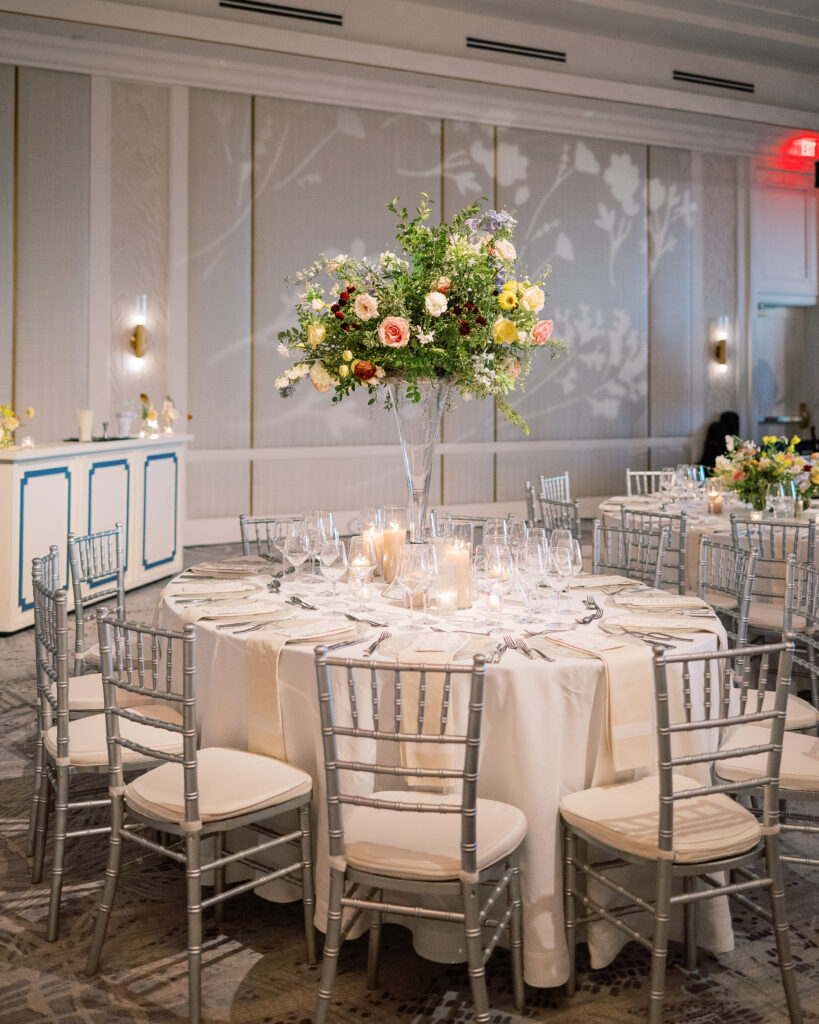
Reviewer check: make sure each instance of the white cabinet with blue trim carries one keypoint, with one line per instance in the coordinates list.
(49, 490)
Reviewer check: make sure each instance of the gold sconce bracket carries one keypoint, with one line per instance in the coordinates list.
(139, 342)
(719, 352)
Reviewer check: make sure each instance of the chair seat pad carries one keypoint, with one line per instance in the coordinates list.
(85, 694)
(87, 744)
(231, 783)
(91, 657)
(768, 616)
(626, 817)
(717, 599)
(426, 844)
(799, 768)
(799, 714)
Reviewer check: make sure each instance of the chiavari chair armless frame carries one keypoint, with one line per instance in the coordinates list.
(642, 481)
(639, 554)
(256, 535)
(193, 793)
(802, 618)
(532, 505)
(556, 488)
(684, 828)
(426, 843)
(774, 541)
(561, 515)
(97, 565)
(675, 552)
(438, 518)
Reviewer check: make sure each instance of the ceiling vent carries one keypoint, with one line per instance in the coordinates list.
(283, 11)
(711, 82)
(515, 50)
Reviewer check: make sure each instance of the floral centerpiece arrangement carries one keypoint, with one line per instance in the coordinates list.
(9, 422)
(448, 306)
(750, 469)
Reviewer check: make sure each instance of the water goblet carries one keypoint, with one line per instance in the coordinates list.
(333, 562)
(296, 546)
(361, 563)
(417, 570)
(559, 574)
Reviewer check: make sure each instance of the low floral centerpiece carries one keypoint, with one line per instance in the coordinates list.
(749, 469)
(9, 422)
(446, 316)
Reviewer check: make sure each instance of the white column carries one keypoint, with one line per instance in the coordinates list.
(99, 256)
(178, 253)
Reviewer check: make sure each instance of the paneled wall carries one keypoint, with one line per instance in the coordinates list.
(642, 241)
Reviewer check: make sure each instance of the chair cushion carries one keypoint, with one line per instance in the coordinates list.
(87, 744)
(626, 817)
(85, 694)
(799, 768)
(768, 615)
(231, 783)
(426, 844)
(91, 657)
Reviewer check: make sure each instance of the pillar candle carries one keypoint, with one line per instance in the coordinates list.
(393, 540)
(376, 535)
(459, 554)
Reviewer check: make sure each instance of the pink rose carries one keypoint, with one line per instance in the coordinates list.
(541, 332)
(394, 331)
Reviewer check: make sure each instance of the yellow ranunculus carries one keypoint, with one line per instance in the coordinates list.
(504, 331)
(315, 334)
(343, 370)
(511, 286)
(507, 300)
(347, 355)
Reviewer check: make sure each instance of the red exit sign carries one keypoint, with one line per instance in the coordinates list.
(806, 147)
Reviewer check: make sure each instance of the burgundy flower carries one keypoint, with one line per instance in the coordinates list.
(456, 310)
(464, 327)
(363, 369)
(345, 327)
(340, 315)
(334, 307)
(344, 297)
(480, 321)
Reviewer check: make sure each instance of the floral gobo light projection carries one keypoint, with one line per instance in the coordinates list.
(450, 306)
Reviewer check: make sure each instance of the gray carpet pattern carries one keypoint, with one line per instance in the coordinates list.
(255, 970)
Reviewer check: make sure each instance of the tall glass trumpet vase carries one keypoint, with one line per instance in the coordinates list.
(419, 424)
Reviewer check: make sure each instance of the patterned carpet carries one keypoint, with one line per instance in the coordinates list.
(254, 967)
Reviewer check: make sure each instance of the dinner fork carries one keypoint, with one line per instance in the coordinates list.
(518, 645)
(369, 622)
(385, 634)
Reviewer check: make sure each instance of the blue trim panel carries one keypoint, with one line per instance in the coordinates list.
(105, 465)
(156, 458)
(28, 475)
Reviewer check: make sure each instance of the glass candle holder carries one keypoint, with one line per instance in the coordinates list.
(447, 588)
(394, 519)
(458, 551)
(371, 525)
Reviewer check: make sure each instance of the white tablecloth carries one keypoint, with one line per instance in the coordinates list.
(543, 736)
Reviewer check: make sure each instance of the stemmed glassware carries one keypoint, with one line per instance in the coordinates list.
(559, 573)
(531, 561)
(318, 527)
(333, 561)
(782, 498)
(296, 546)
(495, 576)
(417, 571)
(361, 563)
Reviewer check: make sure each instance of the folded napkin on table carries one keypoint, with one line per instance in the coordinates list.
(212, 588)
(263, 647)
(229, 570)
(589, 581)
(668, 624)
(632, 499)
(629, 678)
(659, 599)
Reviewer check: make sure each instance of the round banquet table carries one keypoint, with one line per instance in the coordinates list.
(544, 735)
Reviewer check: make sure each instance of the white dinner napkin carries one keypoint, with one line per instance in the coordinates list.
(600, 582)
(632, 499)
(629, 678)
(263, 648)
(647, 602)
(228, 570)
(667, 624)
(212, 588)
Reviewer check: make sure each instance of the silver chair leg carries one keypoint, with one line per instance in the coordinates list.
(41, 829)
(659, 954)
(332, 942)
(690, 926)
(219, 880)
(308, 887)
(374, 947)
(35, 793)
(193, 882)
(58, 855)
(781, 932)
(474, 952)
(109, 889)
(516, 934)
(569, 905)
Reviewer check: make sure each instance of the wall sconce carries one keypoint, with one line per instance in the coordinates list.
(139, 339)
(720, 340)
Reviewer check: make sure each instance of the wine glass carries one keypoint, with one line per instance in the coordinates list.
(494, 532)
(296, 546)
(559, 573)
(530, 567)
(781, 498)
(417, 570)
(361, 563)
(517, 532)
(333, 561)
(500, 577)
(318, 526)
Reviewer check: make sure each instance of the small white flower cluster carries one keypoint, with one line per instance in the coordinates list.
(389, 261)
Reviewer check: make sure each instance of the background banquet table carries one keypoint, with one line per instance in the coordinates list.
(544, 735)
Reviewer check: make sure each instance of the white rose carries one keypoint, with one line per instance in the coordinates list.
(281, 382)
(435, 303)
(365, 306)
(505, 249)
(317, 305)
(533, 299)
(322, 380)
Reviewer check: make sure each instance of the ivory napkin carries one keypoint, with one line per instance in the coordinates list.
(212, 588)
(265, 732)
(629, 678)
(631, 499)
(600, 582)
(229, 570)
(659, 600)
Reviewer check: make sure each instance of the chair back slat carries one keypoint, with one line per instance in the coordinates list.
(97, 566)
(719, 677)
(127, 667)
(51, 648)
(802, 619)
(639, 554)
(439, 517)
(774, 541)
(675, 551)
(560, 515)
(405, 740)
(257, 533)
(556, 488)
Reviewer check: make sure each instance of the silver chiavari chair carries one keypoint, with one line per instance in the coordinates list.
(556, 488)
(642, 481)
(439, 517)
(257, 534)
(802, 619)
(193, 794)
(69, 746)
(533, 516)
(639, 554)
(774, 541)
(683, 825)
(561, 515)
(675, 552)
(97, 564)
(404, 816)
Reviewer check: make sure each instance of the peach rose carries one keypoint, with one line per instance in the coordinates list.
(541, 332)
(394, 331)
(443, 285)
(511, 367)
(365, 306)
